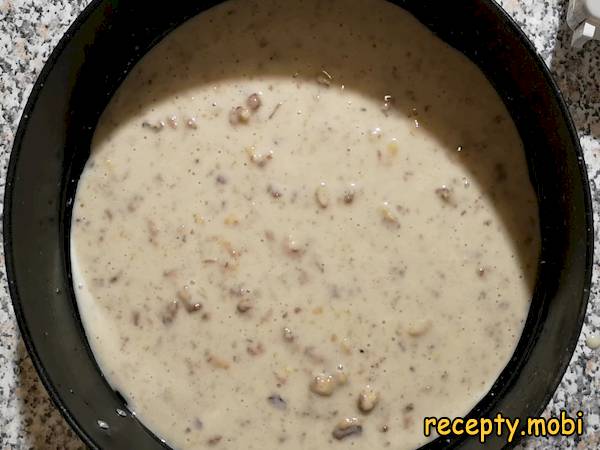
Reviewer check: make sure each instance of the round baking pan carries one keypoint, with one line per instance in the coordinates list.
(53, 143)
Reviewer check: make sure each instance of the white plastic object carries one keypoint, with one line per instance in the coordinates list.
(583, 17)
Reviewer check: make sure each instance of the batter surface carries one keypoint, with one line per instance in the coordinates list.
(303, 225)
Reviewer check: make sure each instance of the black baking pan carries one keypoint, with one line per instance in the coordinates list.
(53, 143)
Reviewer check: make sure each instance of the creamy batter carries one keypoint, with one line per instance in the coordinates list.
(303, 225)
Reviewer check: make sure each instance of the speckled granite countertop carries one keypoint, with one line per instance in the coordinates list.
(29, 30)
